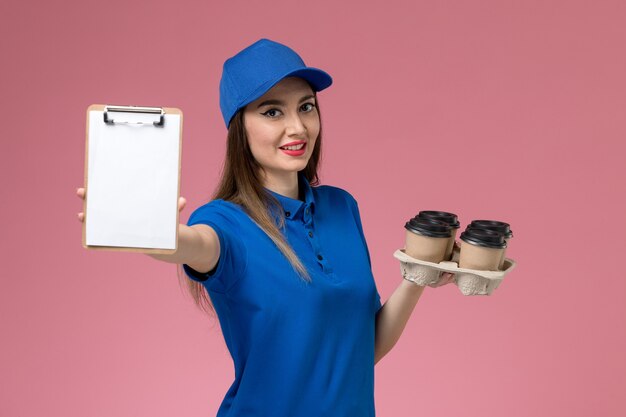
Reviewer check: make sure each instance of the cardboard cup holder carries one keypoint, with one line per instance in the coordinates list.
(469, 281)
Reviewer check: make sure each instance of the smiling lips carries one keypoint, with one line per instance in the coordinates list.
(292, 144)
(294, 148)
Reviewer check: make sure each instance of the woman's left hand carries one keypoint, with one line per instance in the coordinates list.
(446, 278)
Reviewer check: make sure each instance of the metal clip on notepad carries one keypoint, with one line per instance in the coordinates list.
(134, 109)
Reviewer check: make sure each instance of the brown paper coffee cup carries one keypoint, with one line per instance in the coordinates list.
(497, 226)
(450, 218)
(426, 248)
(450, 246)
(481, 249)
(503, 257)
(427, 239)
(480, 258)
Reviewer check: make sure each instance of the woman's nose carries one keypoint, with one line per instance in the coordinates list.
(295, 126)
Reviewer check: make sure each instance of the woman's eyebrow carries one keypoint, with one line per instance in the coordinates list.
(271, 103)
(282, 103)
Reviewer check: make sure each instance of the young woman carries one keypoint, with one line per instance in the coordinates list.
(282, 260)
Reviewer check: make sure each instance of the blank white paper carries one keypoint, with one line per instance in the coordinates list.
(132, 182)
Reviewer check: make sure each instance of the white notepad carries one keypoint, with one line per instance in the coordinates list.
(132, 178)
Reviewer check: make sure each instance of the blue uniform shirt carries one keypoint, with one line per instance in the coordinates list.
(299, 349)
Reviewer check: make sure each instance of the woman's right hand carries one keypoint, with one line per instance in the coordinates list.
(80, 192)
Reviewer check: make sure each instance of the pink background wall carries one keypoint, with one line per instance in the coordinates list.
(512, 110)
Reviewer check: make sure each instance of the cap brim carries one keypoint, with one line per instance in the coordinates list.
(317, 79)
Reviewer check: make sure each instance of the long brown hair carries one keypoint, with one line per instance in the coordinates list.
(240, 184)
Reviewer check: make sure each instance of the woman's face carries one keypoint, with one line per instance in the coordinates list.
(284, 116)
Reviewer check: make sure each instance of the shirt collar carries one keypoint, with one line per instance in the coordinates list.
(296, 209)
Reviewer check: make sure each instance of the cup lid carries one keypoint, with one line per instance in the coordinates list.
(443, 216)
(484, 237)
(498, 226)
(428, 227)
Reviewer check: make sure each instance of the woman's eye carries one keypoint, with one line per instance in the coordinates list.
(272, 113)
(307, 107)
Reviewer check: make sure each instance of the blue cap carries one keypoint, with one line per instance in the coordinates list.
(256, 69)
